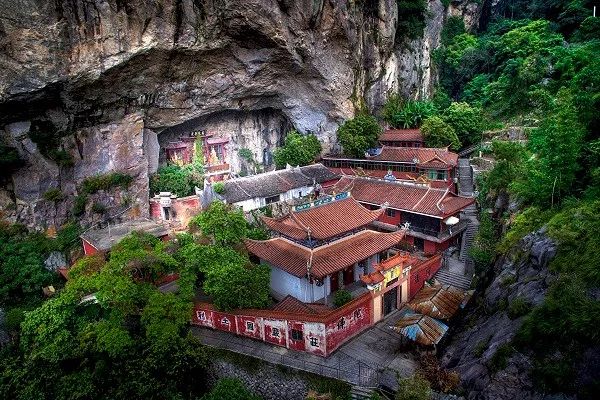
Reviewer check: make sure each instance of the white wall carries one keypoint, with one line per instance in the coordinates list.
(283, 284)
(258, 202)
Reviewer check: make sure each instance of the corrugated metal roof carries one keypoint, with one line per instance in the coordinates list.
(439, 301)
(420, 328)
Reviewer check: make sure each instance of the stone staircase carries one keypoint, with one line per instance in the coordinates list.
(465, 177)
(446, 277)
(360, 393)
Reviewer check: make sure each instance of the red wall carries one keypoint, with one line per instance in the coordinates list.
(422, 272)
(320, 334)
(355, 320)
(88, 249)
(395, 220)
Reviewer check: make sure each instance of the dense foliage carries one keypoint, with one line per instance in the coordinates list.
(109, 334)
(542, 72)
(229, 389)
(225, 224)
(298, 150)
(408, 114)
(180, 180)
(438, 133)
(358, 134)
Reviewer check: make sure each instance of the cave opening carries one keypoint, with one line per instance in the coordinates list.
(227, 143)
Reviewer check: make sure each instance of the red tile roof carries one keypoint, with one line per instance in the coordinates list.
(294, 258)
(325, 221)
(401, 135)
(419, 199)
(423, 155)
(291, 304)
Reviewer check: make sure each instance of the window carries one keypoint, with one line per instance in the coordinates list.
(296, 334)
(314, 342)
(432, 174)
(275, 332)
(392, 281)
(272, 199)
(225, 321)
(390, 212)
(416, 277)
(250, 326)
(201, 315)
(442, 175)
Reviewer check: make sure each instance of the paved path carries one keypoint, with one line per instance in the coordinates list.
(369, 359)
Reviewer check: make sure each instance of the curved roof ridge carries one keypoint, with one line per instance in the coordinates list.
(442, 198)
(421, 199)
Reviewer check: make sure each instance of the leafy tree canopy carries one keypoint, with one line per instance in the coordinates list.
(467, 122)
(223, 223)
(298, 150)
(358, 134)
(438, 133)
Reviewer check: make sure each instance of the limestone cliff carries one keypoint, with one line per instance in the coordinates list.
(102, 80)
(522, 274)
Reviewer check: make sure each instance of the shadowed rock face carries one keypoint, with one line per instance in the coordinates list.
(524, 274)
(251, 68)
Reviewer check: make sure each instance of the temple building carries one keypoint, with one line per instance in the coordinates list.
(322, 246)
(256, 191)
(437, 166)
(434, 215)
(401, 138)
(214, 153)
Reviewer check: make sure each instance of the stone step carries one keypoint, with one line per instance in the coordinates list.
(453, 279)
(360, 393)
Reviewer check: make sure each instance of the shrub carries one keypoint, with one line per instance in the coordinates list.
(79, 204)
(412, 114)
(341, 297)
(219, 187)
(62, 158)
(358, 134)
(413, 388)
(98, 208)
(481, 347)
(173, 178)
(466, 121)
(518, 307)
(13, 318)
(105, 182)
(499, 360)
(411, 19)
(229, 389)
(54, 194)
(246, 154)
(9, 160)
(438, 133)
(298, 150)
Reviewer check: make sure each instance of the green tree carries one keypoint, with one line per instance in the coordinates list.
(172, 178)
(413, 388)
(109, 334)
(229, 389)
(411, 114)
(358, 134)
(298, 150)
(557, 144)
(22, 271)
(438, 133)
(466, 121)
(223, 223)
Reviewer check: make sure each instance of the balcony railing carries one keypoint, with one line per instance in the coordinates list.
(440, 235)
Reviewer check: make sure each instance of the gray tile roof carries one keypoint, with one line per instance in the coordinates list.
(105, 238)
(275, 182)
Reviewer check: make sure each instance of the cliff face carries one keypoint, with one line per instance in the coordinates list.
(107, 80)
(520, 275)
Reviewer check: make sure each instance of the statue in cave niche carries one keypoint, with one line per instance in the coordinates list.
(213, 158)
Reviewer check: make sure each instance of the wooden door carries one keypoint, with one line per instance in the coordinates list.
(334, 280)
(348, 275)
